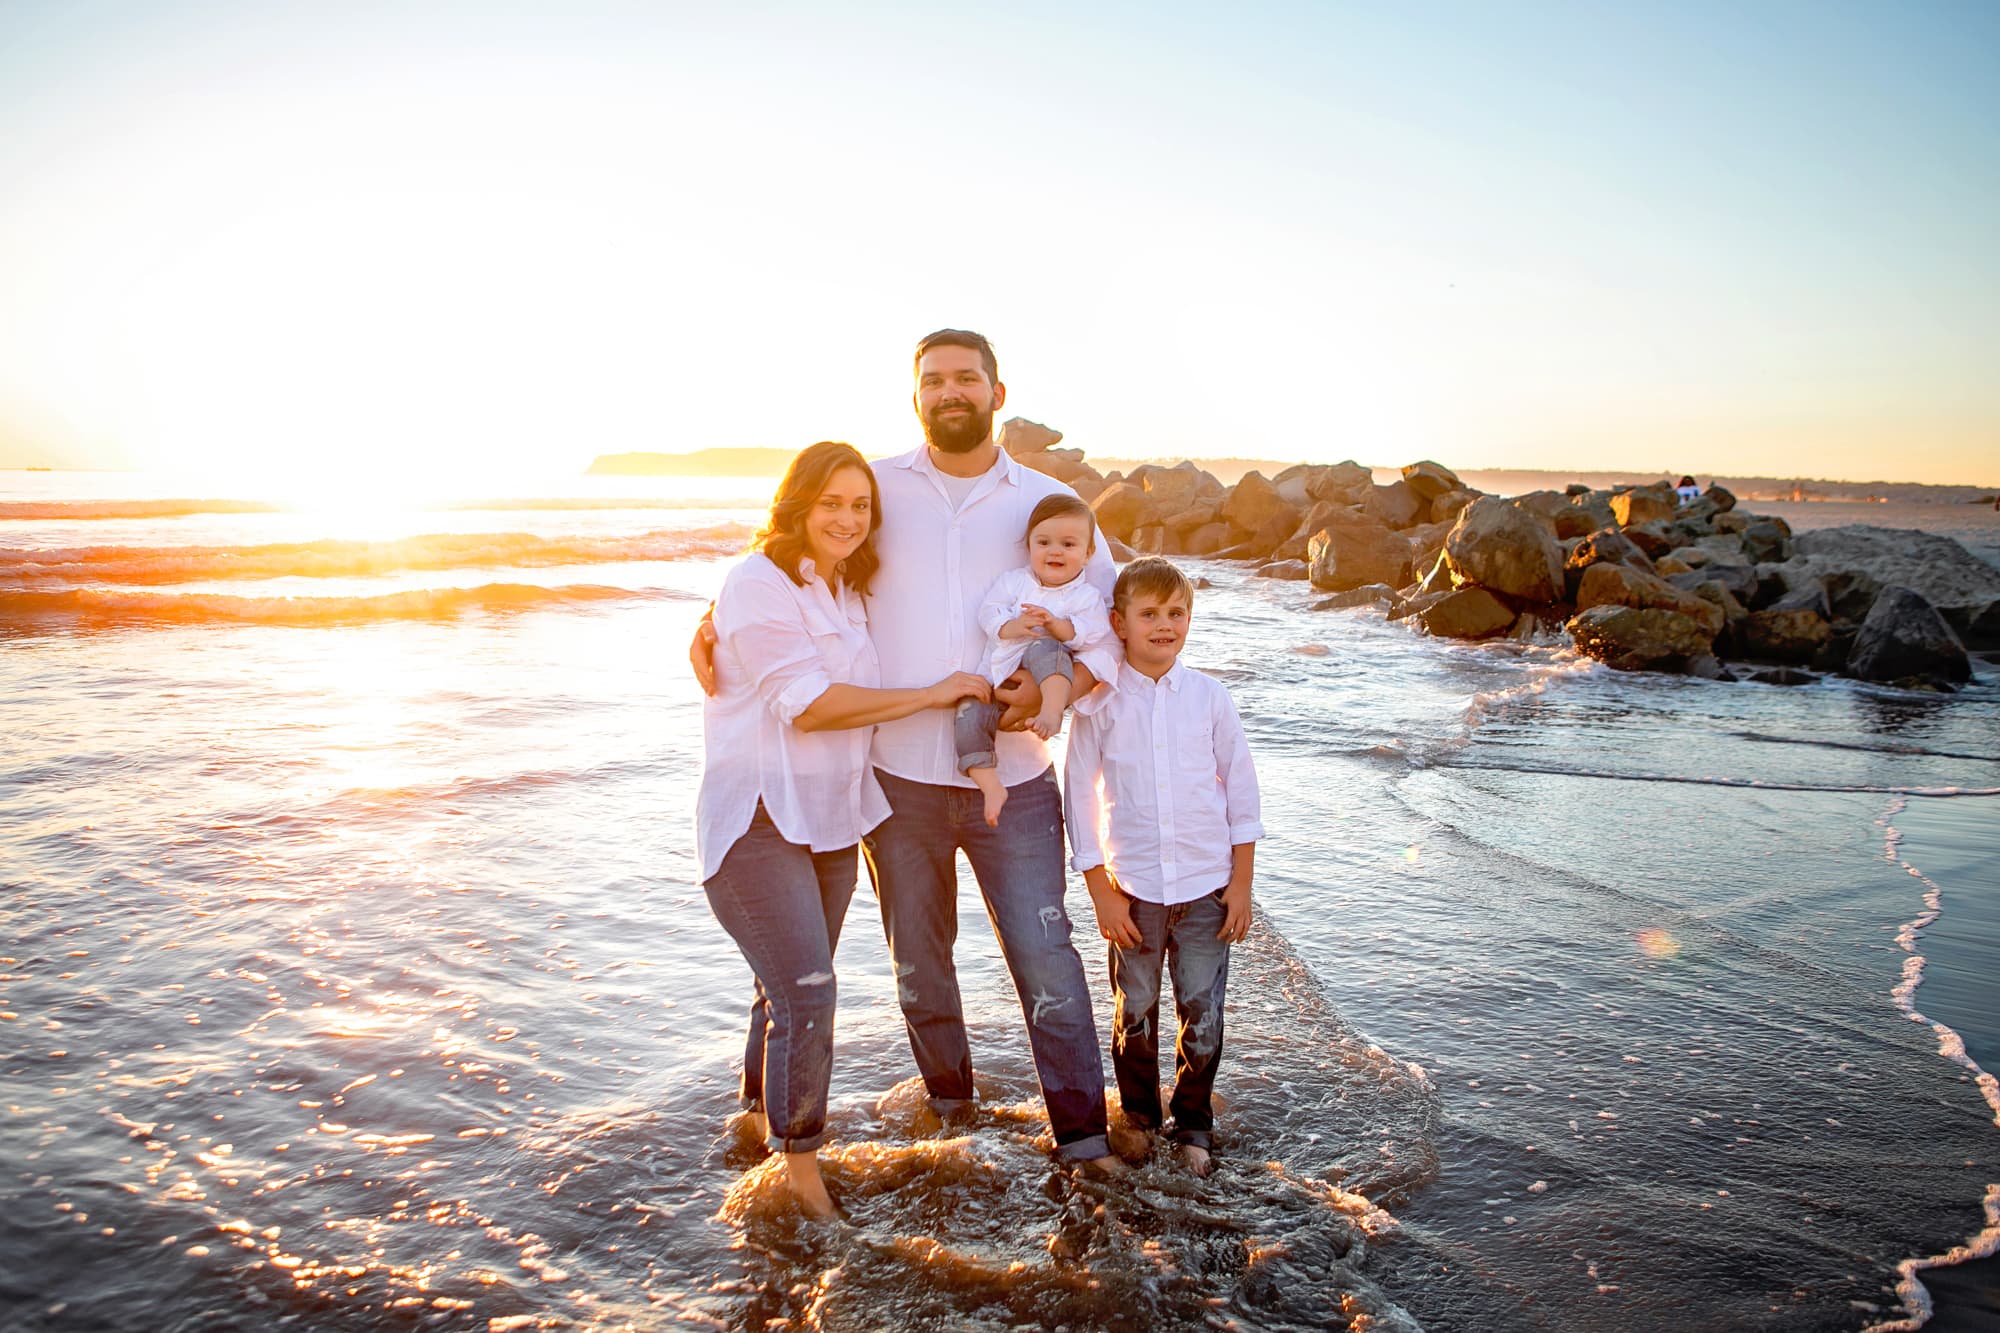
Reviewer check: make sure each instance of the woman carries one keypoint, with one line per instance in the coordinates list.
(787, 790)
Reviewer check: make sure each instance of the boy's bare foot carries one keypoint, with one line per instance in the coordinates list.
(808, 1188)
(1108, 1167)
(988, 782)
(1197, 1159)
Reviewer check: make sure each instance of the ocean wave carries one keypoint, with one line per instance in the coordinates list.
(1758, 784)
(93, 608)
(331, 558)
(84, 510)
(89, 509)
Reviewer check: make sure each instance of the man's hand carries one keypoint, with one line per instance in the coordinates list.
(1022, 696)
(1236, 912)
(1114, 912)
(701, 652)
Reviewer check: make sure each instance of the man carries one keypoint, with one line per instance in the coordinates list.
(955, 515)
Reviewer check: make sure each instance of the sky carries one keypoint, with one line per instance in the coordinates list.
(498, 238)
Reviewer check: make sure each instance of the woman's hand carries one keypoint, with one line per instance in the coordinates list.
(959, 685)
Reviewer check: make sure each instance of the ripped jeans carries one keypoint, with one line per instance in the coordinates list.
(912, 856)
(783, 905)
(1183, 938)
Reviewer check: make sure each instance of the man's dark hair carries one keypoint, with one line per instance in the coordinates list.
(960, 338)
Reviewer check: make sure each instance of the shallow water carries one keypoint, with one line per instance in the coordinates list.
(357, 976)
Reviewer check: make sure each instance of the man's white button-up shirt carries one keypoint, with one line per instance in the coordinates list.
(1159, 785)
(938, 560)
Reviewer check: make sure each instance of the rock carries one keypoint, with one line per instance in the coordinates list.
(1724, 500)
(1724, 549)
(1368, 594)
(1428, 480)
(1406, 607)
(1670, 564)
(1466, 613)
(1634, 639)
(1118, 508)
(1765, 542)
(1905, 640)
(1153, 539)
(1731, 522)
(1526, 627)
(1964, 588)
(1354, 549)
(1254, 502)
(1740, 580)
(1574, 522)
(1447, 507)
(1649, 537)
(1771, 585)
(1064, 465)
(1688, 557)
(1608, 544)
(1544, 505)
(1439, 577)
(1208, 539)
(1708, 667)
(1169, 488)
(1596, 506)
(1343, 483)
(1782, 675)
(1285, 569)
(1120, 552)
(1088, 487)
(1792, 629)
(1644, 504)
(1426, 543)
(1396, 505)
(1500, 546)
(1021, 437)
(1291, 486)
(1608, 584)
(1575, 489)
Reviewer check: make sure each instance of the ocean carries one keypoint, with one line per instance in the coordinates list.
(356, 975)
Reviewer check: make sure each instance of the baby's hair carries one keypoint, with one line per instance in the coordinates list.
(1150, 576)
(1055, 506)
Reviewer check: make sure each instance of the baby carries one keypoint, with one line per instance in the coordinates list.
(1036, 617)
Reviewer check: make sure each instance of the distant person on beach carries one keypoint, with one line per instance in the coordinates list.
(786, 790)
(1688, 490)
(1035, 617)
(959, 506)
(1164, 754)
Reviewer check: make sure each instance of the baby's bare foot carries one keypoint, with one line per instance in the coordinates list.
(1047, 722)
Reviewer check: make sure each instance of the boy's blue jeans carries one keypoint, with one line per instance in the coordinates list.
(976, 723)
(912, 857)
(1183, 938)
(783, 904)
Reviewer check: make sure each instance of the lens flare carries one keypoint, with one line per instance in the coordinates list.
(1410, 853)
(1657, 943)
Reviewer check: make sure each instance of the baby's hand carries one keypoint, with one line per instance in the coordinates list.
(1034, 617)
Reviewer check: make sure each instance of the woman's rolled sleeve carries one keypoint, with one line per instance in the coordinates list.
(765, 631)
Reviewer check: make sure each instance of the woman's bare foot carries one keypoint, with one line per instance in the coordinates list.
(802, 1174)
(1197, 1159)
(988, 782)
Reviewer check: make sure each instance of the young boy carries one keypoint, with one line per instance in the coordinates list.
(1163, 754)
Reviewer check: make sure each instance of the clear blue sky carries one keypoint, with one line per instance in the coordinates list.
(1710, 238)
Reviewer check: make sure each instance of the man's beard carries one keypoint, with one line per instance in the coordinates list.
(958, 435)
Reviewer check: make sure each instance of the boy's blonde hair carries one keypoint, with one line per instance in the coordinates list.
(1150, 576)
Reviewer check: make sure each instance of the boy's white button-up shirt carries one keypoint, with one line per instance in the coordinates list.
(938, 560)
(1159, 785)
(778, 646)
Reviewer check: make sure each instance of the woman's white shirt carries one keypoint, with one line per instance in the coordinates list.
(778, 646)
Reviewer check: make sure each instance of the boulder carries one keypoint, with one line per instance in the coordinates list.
(1708, 667)
(1064, 465)
(1964, 588)
(1649, 537)
(1169, 488)
(1088, 487)
(1447, 507)
(1291, 486)
(1608, 544)
(1254, 502)
(1596, 505)
(1644, 504)
(1739, 580)
(1426, 543)
(1724, 549)
(1152, 539)
(1575, 489)
(1905, 640)
(1501, 546)
(1608, 584)
(1354, 549)
(1396, 504)
(1639, 639)
(1731, 522)
(1343, 483)
(1292, 570)
(1466, 613)
(1765, 542)
(1792, 629)
(1118, 508)
(1414, 604)
(1671, 564)
(1368, 594)
(1208, 539)
(1428, 480)
(1021, 437)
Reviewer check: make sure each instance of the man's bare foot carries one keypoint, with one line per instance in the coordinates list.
(802, 1174)
(1108, 1167)
(1197, 1159)
(988, 782)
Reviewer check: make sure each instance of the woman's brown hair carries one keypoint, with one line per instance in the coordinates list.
(783, 536)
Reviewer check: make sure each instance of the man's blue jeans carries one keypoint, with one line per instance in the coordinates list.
(1182, 938)
(1019, 865)
(783, 904)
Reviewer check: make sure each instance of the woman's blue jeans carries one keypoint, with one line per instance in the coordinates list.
(783, 905)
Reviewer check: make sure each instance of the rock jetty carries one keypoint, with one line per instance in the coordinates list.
(1632, 576)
